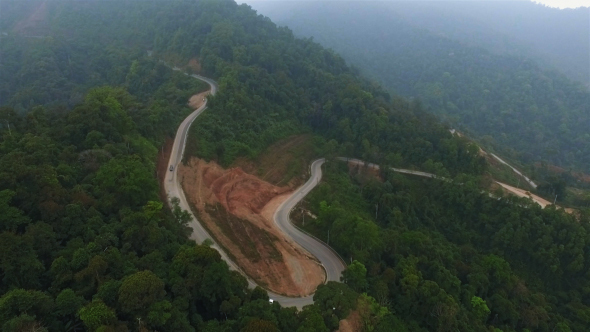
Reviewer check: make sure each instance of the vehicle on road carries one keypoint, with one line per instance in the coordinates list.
(171, 168)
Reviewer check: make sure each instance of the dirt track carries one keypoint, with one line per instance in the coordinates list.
(34, 23)
(197, 100)
(237, 208)
(523, 193)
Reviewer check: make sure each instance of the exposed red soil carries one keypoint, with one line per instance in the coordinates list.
(33, 23)
(240, 193)
(364, 171)
(558, 170)
(539, 200)
(273, 165)
(197, 100)
(194, 65)
(238, 208)
(352, 323)
(526, 194)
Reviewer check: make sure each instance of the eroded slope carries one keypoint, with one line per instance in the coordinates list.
(237, 209)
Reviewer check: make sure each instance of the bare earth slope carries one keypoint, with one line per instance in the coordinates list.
(237, 208)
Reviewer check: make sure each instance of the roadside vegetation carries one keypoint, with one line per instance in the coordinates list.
(515, 106)
(86, 243)
(447, 257)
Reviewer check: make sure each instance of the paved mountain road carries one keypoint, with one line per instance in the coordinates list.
(529, 181)
(399, 170)
(329, 259)
(332, 264)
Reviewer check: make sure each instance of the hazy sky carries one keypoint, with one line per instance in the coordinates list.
(551, 3)
(565, 3)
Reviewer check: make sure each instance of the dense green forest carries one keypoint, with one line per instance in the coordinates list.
(516, 27)
(88, 245)
(272, 84)
(509, 102)
(557, 39)
(448, 257)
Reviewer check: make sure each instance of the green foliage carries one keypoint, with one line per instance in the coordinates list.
(18, 301)
(159, 313)
(259, 325)
(480, 308)
(96, 314)
(355, 276)
(125, 180)
(19, 265)
(68, 303)
(335, 301)
(530, 113)
(10, 217)
(84, 230)
(453, 258)
(24, 322)
(82, 218)
(140, 291)
(183, 217)
(370, 312)
(312, 320)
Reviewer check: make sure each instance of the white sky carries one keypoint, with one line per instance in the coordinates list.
(565, 3)
(551, 3)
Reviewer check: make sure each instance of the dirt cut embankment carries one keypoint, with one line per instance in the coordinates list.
(238, 208)
(197, 100)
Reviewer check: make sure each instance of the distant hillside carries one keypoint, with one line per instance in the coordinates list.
(86, 244)
(509, 101)
(555, 38)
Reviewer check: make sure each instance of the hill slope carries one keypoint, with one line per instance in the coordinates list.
(86, 242)
(527, 112)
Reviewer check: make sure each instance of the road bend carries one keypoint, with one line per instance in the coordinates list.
(330, 261)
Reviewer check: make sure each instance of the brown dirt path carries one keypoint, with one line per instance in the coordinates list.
(35, 22)
(197, 100)
(352, 323)
(539, 200)
(238, 208)
(523, 193)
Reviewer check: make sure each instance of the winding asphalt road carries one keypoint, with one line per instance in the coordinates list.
(328, 258)
(332, 263)
(539, 200)
(399, 170)
(529, 181)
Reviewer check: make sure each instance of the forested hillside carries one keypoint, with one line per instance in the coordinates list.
(86, 242)
(448, 257)
(272, 84)
(87, 245)
(517, 27)
(510, 102)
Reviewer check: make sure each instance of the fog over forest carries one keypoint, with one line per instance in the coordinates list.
(196, 165)
(503, 71)
(505, 27)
